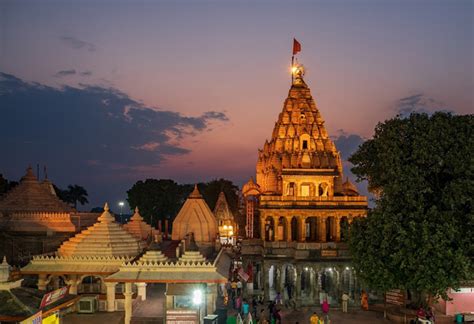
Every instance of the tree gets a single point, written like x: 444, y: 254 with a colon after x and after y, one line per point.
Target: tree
x: 420, y: 234
x: 6, y: 185
x: 72, y: 195
x: 162, y: 199
x: 211, y: 190
x: 158, y: 199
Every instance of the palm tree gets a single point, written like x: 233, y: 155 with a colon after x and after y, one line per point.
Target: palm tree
x: 77, y: 194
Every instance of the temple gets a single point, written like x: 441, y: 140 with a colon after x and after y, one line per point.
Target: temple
x: 33, y: 220
x: 299, y: 205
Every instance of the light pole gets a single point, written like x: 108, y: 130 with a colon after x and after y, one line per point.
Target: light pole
x: 121, y: 204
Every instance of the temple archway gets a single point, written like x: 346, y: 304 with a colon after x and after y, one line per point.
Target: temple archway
x: 269, y: 229
x: 311, y: 229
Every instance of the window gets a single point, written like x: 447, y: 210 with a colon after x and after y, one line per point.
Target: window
x: 291, y: 189
x: 305, y: 190
x: 305, y: 145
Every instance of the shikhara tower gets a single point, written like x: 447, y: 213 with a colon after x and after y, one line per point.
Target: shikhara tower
x: 299, y: 176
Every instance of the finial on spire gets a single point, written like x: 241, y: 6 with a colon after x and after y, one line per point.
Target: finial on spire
x: 136, y: 209
x: 106, y: 207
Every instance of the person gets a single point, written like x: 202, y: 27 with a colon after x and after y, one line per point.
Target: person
x: 271, y: 309
x: 238, y: 303
x: 430, y: 314
x: 254, y: 307
x: 364, y: 300
x: 325, y: 306
x: 262, y: 319
x: 245, y: 308
x: 314, y: 319
x: 239, y: 287
x: 234, y: 288
x: 277, y: 315
x: 345, y: 300
x: 278, y: 299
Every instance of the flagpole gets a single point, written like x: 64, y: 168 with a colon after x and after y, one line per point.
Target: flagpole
x: 292, y: 62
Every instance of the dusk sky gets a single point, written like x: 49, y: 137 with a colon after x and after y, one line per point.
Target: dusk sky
x: 106, y: 93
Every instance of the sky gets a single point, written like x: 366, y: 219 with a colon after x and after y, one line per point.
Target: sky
x: 106, y: 93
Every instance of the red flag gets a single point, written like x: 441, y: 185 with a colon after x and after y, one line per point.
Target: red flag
x: 296, y: 46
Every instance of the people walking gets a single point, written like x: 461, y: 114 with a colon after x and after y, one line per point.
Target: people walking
x: 314, y: 319
x: 278, y: 299
x: 364, y: 300
x: 345, y: 300
x: 325, y: 309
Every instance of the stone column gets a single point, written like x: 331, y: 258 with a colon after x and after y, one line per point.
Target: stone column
x: 302, y: 229
x: 42, y: 281
x: 338, y: 228
x: 141, y: 290
x: 275, y: 228
x: 110, y: 286
x: 288, y: 229
x: 262, y: 228
x: 266, y: 282
x: 128, y: 302
x: 299, y: 272
x: 211, y: 297
x: 322, y: 232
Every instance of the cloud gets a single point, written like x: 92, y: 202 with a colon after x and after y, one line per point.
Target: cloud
x: 419, y: 103
x: 64, y: 73
x: 347, y: 143
x: 86, y: 73
x: 77, y: 43
x: 89, y: 129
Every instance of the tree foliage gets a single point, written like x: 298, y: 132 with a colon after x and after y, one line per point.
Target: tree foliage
x: 6, y: 185
x: 420, y: 234
x: 162, y: 199
x: 72, y: 195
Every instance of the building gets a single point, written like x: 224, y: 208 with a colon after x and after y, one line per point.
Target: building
x: 298, y: 207
x: 225, y: 220
x: 33, y: 220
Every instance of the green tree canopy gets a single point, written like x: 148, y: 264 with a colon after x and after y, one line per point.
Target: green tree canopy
x: 72, y: 195
x: 162, y: 199
x: 420, y: 234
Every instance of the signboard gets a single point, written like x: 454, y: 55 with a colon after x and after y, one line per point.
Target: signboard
x: 35, y: 319
x: 243, y: 275
x: 182, y: 316
x: 395, y: 297
x: 54, y: 296
x: 329, y: 253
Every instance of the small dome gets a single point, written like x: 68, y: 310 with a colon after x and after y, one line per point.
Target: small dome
x: 251, y: 188
x: 138, y: 227
x: 349, y: 189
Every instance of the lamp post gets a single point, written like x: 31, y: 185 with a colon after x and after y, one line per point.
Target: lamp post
x: 121, y: 204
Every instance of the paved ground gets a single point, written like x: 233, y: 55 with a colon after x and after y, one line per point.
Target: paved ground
x: 288, y: 317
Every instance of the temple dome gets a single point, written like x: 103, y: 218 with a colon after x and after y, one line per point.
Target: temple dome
x: 349, y: 189
x: 195, y: 217
x: 138, y: 227
x: 30, y: 195
x: 104, y: 238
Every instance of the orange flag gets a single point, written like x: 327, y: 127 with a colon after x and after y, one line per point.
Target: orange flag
x: 296, y: 46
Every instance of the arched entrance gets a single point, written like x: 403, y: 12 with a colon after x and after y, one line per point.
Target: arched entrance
x: 330, y: 223
x: 311, y: 229
x: 288, y: 281
x: 344, y: 225
x: 269, y: 229
x: 281, y: 230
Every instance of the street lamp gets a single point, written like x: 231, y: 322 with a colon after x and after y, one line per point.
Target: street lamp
x: 121, y: 204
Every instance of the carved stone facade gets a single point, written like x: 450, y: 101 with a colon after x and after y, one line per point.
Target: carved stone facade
x: 302, y: 206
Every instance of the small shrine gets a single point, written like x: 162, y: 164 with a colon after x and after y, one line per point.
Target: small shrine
x: 225, y: 220
x: 139, y: 228
x: 86, y: 259
x: 195, y: 217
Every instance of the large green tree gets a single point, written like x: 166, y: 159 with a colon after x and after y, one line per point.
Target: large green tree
x: 162, y: 199
x: 419, y: 235
x: 158, y: 199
